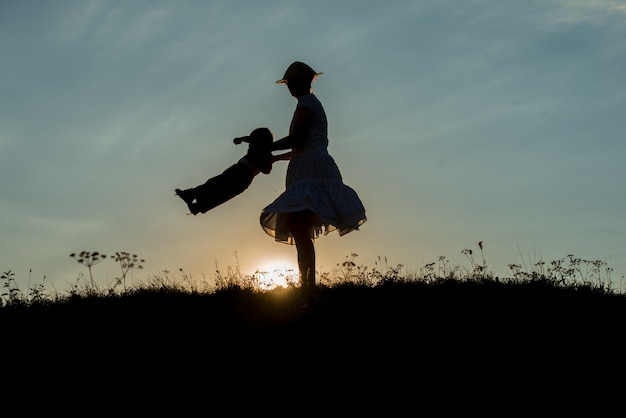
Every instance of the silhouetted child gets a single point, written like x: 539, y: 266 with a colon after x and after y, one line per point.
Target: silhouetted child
x: 235, y: 179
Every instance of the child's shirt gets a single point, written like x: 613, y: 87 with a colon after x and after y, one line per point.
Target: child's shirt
x: 258, y: 160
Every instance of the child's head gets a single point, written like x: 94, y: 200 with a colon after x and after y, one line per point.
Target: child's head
x: 261, y: 137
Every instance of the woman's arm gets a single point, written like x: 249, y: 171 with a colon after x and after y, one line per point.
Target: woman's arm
x: 279, y: 157
x: 300, y: 129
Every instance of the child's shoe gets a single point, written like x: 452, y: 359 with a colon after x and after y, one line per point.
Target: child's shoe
x: 188, y: 197
x: 201, y: 206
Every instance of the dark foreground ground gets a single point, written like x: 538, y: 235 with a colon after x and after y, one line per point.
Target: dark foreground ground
x: 392, y: 350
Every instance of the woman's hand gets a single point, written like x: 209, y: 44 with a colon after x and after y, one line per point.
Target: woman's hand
x: 241, y: 139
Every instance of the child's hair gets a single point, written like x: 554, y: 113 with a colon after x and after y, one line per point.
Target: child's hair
x: 261, y: 136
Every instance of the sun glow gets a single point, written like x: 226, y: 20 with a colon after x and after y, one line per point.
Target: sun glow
x: 276, y: 274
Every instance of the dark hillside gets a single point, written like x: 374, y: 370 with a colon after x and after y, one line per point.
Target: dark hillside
x: 374, y: 343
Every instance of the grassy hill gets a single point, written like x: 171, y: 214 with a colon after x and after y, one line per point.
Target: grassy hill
x: 356, y: 345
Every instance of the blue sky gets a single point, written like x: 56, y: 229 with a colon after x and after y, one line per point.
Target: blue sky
x: 455, y: 121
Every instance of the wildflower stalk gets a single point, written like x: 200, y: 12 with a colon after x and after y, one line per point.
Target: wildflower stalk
x: 89, y: 259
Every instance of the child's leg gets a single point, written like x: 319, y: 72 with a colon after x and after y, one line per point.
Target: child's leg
x: 223, y: 187
x: 212, y: 194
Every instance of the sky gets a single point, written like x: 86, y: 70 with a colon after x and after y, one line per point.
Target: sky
x: 456, y: 122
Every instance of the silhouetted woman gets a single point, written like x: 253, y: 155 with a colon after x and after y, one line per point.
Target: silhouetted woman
x: 315, y: 200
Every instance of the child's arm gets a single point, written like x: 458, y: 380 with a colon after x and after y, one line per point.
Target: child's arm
x: 279, y: 157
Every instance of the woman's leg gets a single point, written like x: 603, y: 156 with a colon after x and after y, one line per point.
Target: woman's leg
x: 299, y: 224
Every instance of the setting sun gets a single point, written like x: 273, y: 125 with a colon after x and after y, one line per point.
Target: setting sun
x: 276, y: 274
